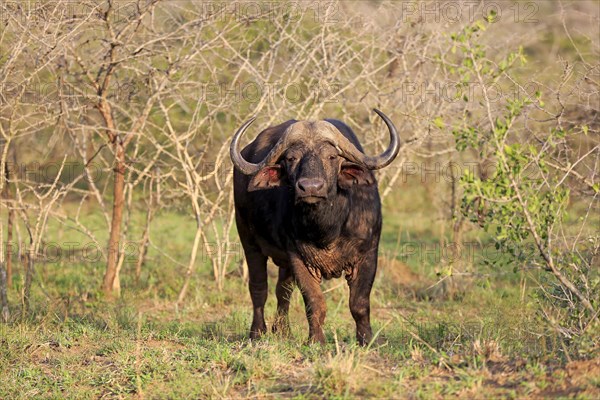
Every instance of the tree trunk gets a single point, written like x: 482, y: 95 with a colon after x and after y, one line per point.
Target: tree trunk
x: 111, y: 278
x: 143, y: 251
x: 9, y: 245
x: 30, y: 263
x: 3, y: 286
x: 11, y: 218
x: 3, y: 296
x: 192, y: 262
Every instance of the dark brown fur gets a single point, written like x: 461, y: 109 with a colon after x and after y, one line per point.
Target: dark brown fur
x: 310, y: 238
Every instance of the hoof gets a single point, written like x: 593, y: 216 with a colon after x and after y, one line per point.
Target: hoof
x: 281, y: 327
x: 317, y: 339
x: 256, y: 333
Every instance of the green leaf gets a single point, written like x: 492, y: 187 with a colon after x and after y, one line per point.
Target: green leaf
x: 439, y: 122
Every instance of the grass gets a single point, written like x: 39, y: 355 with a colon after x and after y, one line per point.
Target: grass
x: 483, y: 339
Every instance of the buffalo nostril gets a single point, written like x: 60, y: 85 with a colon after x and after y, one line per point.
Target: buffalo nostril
x: 310, y: 186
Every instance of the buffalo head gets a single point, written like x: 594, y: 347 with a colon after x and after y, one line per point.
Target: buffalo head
x: 315, y: 159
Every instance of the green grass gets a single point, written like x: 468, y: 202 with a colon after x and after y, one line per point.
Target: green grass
x: 480, y: 337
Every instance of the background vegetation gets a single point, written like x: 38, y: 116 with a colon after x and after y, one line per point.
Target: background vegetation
x: 121, y: 274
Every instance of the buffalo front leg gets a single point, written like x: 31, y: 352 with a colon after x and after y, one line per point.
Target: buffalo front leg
x: 283, y: 291
x: 314, y: 301
x: 360, y: 303
x: 257, y: 273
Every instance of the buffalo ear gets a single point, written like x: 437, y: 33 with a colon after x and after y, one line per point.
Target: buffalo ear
x: 354, y: 174
x: 266, y: 178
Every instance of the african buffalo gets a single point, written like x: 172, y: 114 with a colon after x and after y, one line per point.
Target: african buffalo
x: 305, y: 195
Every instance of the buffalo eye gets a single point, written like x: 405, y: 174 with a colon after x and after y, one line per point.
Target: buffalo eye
x: 291, y: 159
x: 333, y: 156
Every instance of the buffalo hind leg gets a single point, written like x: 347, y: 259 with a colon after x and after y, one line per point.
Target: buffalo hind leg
x: 257, y: 273
x: 360, y: 303
x: 314, y: 300
x: 283, y: 291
